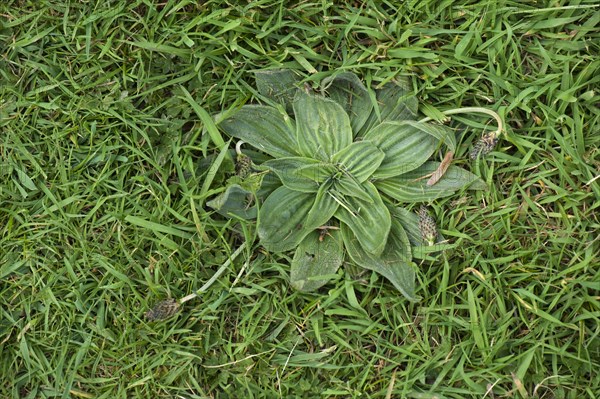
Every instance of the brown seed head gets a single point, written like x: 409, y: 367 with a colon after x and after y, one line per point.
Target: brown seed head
x: 484, y: 145
x: 163, y: 310
x: 243, y: 165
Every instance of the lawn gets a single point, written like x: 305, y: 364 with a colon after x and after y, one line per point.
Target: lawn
x: 109, y: 155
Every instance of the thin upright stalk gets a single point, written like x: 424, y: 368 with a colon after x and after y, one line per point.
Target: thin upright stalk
x: 215, y: 276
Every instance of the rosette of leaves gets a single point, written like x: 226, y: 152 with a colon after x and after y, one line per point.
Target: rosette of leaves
x: 345, y: 161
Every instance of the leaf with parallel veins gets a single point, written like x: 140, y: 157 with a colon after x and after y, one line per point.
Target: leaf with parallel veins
x: 360, y: 159
x: 394, y: 263
x: 265, y: 128
x: 281, y: 219
x: 316, y: 259
x: 300, y: 173
x: 394, y: 102
x: 370, y: 222
x: 323, y: 128
x: 405, y: 147
x: 412, y: 186
x: 348, y: 91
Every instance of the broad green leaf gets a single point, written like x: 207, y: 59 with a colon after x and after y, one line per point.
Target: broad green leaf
x: 360, y: 159
x: 316, y: 259
x: 299, y: 173
x: 405, y: 146
x: 348, y: 186
x: 441, y: 132
x: 410, y: 222
x: 412, y: 187
x: 234, y: 201
x: 347, y: 90
x: 279, y: 85
x: 281, y: 219
x: 270, y: 183
x: 323, y: 208
x: 394, y: 102
x: 265, y: 128
x: 370, y: 222
x: 394, y: 263
x: 323, y: 128
x: 320, y: 172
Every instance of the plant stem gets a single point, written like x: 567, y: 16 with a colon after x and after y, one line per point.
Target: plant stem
x: 238, y: 147
x: 468, y: 110
x: 215, y: 276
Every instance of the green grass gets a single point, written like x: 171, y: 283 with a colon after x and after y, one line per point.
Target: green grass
x: 106, y: 161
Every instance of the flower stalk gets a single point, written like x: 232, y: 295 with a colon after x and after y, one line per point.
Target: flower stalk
x: 488, y: 140
x: 471, y: 110
x: 168, y: 307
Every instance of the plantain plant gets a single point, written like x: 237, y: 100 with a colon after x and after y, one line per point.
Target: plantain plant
x: 342, y: 166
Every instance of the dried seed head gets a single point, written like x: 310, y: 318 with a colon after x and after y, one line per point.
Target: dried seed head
x: 484, y: 145
x: 163, y: 310
x: 427, y: 226
x: 243, y: 165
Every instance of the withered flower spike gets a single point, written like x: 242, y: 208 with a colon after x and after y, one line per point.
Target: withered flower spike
x: 243, y: 166
x: 163, y: 310
x: 484, y: 145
